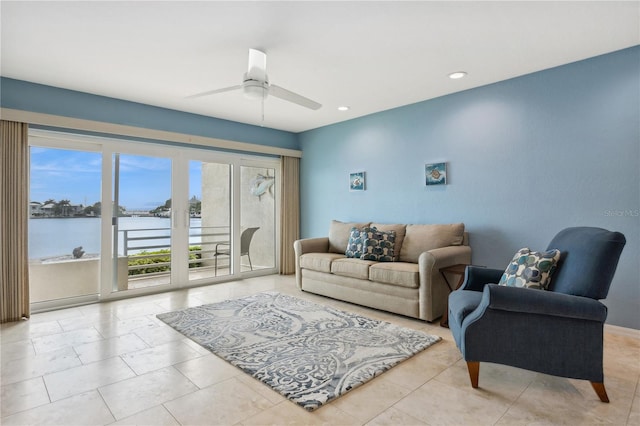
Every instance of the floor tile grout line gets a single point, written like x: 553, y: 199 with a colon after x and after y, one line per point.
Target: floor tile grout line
x: 633, y: 398
x: 115, y: 419
x: 513, y: 403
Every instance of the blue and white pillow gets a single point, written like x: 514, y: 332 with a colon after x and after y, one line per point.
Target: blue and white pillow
x: 354, y: 246
x: 531, y: 269
x: 378, y: 245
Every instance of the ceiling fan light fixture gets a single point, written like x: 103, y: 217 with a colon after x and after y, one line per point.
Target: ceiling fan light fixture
x: 457, y: 75
x: 254, y: 90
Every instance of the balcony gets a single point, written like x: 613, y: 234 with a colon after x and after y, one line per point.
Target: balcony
x: 144, y: 260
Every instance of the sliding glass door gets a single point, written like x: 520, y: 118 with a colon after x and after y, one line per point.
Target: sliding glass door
x: 141, y: 221
x: 210, y: 221
x: 257, y: 217
x: 64, y: 222
x: 145, y: 217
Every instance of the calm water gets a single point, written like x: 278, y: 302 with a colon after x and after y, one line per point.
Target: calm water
x: 58, y: 237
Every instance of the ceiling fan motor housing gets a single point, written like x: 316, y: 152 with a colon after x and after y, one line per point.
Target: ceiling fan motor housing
x: 255, y: 89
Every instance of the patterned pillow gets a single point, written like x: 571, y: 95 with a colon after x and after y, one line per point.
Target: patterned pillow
x: 378, y: 245
x: 531, y: 269
x: 354, y: 246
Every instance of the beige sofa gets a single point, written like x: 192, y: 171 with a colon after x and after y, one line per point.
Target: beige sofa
x: 411, y: 285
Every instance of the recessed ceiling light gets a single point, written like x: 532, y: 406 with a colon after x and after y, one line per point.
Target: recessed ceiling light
x: 344, y: 108
x: 458, y: 74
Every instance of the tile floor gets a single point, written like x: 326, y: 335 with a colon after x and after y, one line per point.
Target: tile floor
x: 115, y: 363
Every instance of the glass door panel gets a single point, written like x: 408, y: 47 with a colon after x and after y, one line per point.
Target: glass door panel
x: 64, y: 223
x: 141, y: 222
x: 209, y: 209
x: 257, y: 218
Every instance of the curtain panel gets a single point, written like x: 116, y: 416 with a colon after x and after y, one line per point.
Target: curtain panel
x: 289, y: 213
x: 14, y: 202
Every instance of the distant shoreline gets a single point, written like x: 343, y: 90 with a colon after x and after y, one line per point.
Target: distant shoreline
x: 64, y: 217
x: 92, y: 217
x: 64, y: 258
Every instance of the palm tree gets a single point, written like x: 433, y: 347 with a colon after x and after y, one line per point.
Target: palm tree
x: 64, y: 207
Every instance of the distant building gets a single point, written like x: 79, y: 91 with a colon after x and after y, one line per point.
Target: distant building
x: 35, y: 209
x: 164, y: 213
x: 48, y: 209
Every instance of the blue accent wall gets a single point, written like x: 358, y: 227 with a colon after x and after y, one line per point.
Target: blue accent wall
x: 526, y: 158
x: 26, y: 96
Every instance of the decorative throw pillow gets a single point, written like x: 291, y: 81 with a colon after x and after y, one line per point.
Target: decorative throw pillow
x: 354, y: 246
x: 378, y: 245
x: 531, y: 269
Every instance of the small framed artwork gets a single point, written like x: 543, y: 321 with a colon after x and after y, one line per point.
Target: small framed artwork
x: 435, y: 174
x: 356, y: 181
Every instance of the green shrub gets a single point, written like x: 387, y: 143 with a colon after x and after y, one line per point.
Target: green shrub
x: 134, y: 260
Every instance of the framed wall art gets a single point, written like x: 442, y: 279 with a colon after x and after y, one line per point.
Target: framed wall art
x: 356, y: 181
x: 435, y: 174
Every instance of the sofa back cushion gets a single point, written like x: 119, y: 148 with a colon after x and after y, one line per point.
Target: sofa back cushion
x: 339, y: 233
x: 421, y: 238
x: 399, y: 229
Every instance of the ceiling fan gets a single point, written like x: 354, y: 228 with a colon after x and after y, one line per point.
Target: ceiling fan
x: 255, y: 84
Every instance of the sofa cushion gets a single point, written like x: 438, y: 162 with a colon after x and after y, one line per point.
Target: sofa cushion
x: 339, y: 233
x: 531, y: 269
x: 396, y: 273
x: 354, y: 245
x: 378, y: 245
x: 349, y: 267
x: 399, y: 229
x: 421, y: 238
x: 320, y: 262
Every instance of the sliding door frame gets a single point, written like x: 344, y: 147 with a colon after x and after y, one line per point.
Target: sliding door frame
x: 180, y: 157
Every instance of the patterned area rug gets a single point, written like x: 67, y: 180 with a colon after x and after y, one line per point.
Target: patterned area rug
x: 309, y: 353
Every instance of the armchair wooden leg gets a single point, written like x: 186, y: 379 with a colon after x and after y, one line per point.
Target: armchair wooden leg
x: 600, y: 390
x: 474, y: 371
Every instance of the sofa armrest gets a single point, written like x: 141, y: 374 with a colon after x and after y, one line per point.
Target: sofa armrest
x: 542, y: 302
x: 308, y: 245
x: 449, y: 256
x: 476, y: 277
x: 311, y: 245
x: 433, y: 290
x: 431, y: 261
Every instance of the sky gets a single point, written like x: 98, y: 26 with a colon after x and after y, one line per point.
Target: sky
x: 145, y: 182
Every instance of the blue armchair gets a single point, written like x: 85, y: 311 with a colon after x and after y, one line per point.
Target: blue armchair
x: 558, y: 331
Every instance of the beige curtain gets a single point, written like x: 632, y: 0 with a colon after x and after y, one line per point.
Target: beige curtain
x: 289, y: 213
x: 14, y: 202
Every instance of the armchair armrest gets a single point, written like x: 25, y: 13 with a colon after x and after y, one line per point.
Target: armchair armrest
x: 542, y: 302
x: 476, y: 277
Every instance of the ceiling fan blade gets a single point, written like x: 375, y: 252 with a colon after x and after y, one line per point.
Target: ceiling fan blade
x: 257, y: 65
x: 287, y: 95
x: 213, y: 92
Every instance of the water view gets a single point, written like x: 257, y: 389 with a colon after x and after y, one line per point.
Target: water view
x: 66, y: 229
x: 55, y: 237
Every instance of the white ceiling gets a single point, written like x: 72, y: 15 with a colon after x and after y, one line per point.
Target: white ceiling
x: 372, y: 56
